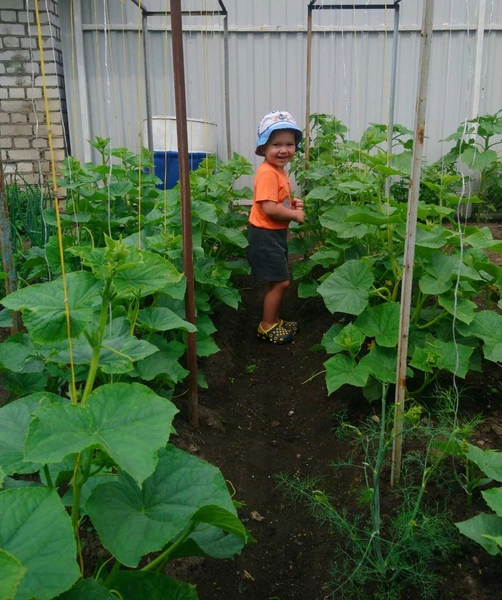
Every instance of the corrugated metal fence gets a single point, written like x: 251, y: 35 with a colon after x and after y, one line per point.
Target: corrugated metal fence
x: 267, y: 51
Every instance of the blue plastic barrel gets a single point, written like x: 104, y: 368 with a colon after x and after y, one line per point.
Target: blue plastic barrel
x: 166, y: 166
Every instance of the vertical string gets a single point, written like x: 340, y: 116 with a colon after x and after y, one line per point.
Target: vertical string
x: 109, y: 117
x: 99, y: 83
x: 39, y: 164
x: 73, y: 389
x: 125, y: 49
x: 140, y: 144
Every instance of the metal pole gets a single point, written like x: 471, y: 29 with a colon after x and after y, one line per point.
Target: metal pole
x: 6, y: 248
x: 478, y: 67
x: 227, y: 86
x: 186, y: 210
x: 392, y: 100
x: 146, y: 62
x: 83, y: 152
x: 309, y: 80
x: 411, y: 229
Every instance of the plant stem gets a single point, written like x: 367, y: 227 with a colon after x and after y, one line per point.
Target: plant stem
x: 163, y: 557
x: 425, y: 325
x: 48, y: 476
x: 112, y: 576
x: 93, y: 368
x: 375, y: 504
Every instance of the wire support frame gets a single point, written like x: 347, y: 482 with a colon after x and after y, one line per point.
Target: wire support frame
x: 392, y: 6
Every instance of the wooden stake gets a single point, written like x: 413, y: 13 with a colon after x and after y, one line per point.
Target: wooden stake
x: 411, y: 231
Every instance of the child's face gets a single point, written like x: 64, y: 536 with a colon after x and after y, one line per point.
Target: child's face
x: 280, y: 148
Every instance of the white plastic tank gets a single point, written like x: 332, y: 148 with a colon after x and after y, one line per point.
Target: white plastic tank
x: 202, y: 140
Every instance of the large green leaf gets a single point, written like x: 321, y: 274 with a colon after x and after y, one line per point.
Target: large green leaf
x: 350, y: 338
x: 152, y: 274
x: 328, y: 339
x: 19, y: 357
x: 381, y: 363
x: 159, y: 318
x: 128, y: 421
x: 209, y: 542
x: 205, y: 211
x: 480, y: 529
x: 430, y: 238
x: 461, y: 308
x: 227, y: 295
x: 117, y: 354
x: 446, y: 356
x: 162, y: 362
x: 87, y: 589
x: 43, y: 306
x: 234, y: 237
x: 136, y: 585
x: 440, y: 271
x: 11, y: 573
x: 372, y: 217
x: 15, y: 418
x: 36, y: 530
x: 153, y: 515
x: 346, y: 289
x: 489, y: 461
x: 493, y: 498
x: 382, y: 323
x: 478, y: 161
x: 341, y: 369
x: 486, y: 326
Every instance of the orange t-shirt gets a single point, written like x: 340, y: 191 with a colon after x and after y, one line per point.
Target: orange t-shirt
x: 272, y: 184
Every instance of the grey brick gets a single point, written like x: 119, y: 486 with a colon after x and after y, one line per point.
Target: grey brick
x: 7, y: 82
x: 17, y: 93
x: 18, y: 118
x: 15, y: 130
x: 8, y: 16
x: 12, y: 106
x: 11, y: 42
x: 12, y: 29
x: 21, y: 143
x: 15, y: 55
x: 27, y: 42
x: 23, y: 155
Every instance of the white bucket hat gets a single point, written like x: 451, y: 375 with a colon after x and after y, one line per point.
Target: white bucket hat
x: 277, y: 119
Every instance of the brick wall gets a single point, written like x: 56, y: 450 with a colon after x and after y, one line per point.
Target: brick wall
x: 23, y: 125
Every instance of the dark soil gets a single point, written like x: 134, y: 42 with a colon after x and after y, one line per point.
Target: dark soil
x: 266, y: 413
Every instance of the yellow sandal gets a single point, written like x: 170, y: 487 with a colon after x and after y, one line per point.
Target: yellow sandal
x: 277, y: 334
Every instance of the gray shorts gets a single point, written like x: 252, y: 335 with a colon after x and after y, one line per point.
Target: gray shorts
x: 268, y: 254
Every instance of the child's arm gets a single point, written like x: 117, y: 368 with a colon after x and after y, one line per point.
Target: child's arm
x: 279, y: 212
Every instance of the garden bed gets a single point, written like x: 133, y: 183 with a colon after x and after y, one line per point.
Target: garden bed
x: 261, y: 418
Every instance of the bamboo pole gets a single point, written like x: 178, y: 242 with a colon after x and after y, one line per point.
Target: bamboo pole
x: 186, y: 209
x: 411, y: 230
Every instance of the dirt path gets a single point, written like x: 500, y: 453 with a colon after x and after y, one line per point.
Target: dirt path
x: 273, y: 423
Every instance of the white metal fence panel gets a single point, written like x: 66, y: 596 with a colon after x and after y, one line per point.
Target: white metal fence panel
x: 267, y: 53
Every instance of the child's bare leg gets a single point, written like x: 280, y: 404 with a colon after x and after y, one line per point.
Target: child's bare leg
x: 274, y: 291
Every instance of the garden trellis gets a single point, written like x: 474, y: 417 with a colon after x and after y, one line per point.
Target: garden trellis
x: 177, y: 13
x: 414, y: 188
x: 105, y: 28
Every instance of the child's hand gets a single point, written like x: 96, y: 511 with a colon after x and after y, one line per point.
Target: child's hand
x: 299, y: 216
x: 296, y: 204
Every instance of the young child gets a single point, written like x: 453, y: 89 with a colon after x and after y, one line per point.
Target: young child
x: 273, y: 209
